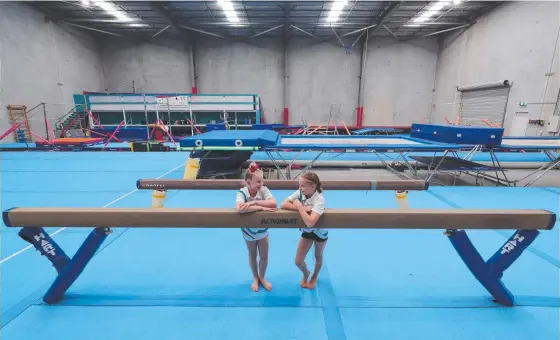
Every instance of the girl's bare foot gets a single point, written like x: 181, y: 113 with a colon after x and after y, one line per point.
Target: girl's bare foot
x: 312, y: 283
x: 255, y: 285
x: 267, y: 285
x: 303, y: 282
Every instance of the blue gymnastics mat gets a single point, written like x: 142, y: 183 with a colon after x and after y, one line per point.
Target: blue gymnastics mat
x: 231, y: 138
x: 194, y: 283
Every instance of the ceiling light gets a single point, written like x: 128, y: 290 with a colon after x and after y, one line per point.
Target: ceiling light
x: 437, y: 7
x: 229, y: 11
x: 227, y: 6
x: 105, y: 6
x: 113, y: 10
x: 85, y: 3
x: 432, y: 10
x: 336, y: 10
x: 137, y: 25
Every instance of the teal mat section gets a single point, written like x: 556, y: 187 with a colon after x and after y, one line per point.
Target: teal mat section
x: 194, y: 283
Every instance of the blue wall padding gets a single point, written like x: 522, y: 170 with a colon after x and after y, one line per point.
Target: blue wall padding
x: 465, y: 135
x: 259, y: 138
x: 267, y: 126
x: 212, y: 127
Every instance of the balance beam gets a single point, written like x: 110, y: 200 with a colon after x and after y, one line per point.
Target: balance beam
x: 230, y: 218
x: 488, y: 273
x: 217, y: 184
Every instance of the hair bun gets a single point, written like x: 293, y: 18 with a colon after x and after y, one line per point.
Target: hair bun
x: 254, y: 167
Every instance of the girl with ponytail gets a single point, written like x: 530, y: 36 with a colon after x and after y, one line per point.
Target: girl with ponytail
x: 310, y: 204
x: 254, y: 196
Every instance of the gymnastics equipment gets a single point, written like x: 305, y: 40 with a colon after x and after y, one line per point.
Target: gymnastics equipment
x: 402, y: 200
x: 465, y: 135
x: 13, y: 128
x: 216, y: 184
x: 19, y: 117
x: 112, y: 135
x: 158, y: 198
x: 445, y: 141
x: 230, y: 218
x: 159, y: 124
x: 191, y: 169
x: 454, y: 221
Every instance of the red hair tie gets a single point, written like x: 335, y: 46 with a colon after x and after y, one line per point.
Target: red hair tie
x: 254, y: 167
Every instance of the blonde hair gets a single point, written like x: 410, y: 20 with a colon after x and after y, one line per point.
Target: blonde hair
x: 313, y: 178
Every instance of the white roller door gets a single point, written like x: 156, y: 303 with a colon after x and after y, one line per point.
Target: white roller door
x: 484, y: 102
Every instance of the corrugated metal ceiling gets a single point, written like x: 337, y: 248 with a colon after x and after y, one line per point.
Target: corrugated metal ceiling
x: 291, y: 17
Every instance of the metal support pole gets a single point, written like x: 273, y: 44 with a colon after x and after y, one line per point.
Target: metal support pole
x: 266, y: 31
x: 46, y: 121
x: 192, y: 62
x: 161, y: 31
x: 304, y: 31
x: 359, y: 30
x: 361, y: 79
x: 203, y: 32
x: 286, y: 117
x: 446, y: 30
x: 92, y: 29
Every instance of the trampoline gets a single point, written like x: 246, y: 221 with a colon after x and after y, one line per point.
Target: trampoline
x: 349, y: 141
x: 392, y: 151
x: 381, y: 146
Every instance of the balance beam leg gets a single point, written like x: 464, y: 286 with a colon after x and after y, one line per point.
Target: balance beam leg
x: 75, y: 267
x: 480, y: 269
x: 511, y: 250
x: 41, y: 240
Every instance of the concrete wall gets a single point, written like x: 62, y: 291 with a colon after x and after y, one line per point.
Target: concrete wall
x: 322, y: 78
x: 517, y: 42
x: 161, y: 65
x: 254, y: 67
x: 43, y: 62
x: 399, y: 80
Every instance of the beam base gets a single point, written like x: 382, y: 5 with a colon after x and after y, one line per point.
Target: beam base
x: 75, y: 266
x: 42, y: 241
x: 490, y: 273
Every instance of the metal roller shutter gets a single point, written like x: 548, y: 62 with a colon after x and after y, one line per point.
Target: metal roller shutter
x: 486, y: 102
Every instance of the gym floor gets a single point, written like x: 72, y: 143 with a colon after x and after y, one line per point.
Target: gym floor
x: 195, y: 283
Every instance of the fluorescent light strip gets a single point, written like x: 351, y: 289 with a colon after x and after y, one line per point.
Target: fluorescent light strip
x: 113, y: 10
x: 432, y: 10
x: 336, y: 10
x: 229, y: 11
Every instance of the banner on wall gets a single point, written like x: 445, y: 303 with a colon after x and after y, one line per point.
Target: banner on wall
x: 173, y: 101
